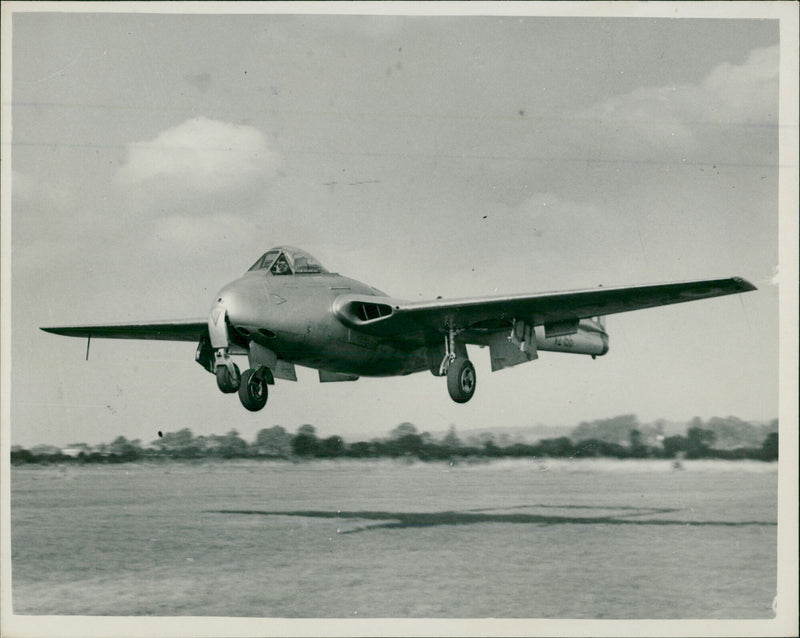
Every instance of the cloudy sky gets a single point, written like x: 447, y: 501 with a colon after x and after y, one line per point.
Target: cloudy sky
x: 156, y: 156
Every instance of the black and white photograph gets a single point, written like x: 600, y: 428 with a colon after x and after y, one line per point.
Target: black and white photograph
x: 399, y: 318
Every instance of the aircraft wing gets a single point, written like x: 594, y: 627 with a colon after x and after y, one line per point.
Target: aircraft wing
x: 383, y: 316
x: 178, y: 330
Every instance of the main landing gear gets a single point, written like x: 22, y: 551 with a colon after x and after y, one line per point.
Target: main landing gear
x: 460, y: 372
x: 461, y: 380
x: 254, y: 389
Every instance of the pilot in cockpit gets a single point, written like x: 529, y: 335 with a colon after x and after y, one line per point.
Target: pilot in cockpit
x: 281, y: 266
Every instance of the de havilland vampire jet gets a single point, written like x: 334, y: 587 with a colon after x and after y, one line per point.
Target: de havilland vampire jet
x: 287, y: 310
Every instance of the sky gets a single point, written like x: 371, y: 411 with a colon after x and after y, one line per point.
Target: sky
x: 155, y: 157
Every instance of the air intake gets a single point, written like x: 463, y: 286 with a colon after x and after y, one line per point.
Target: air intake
x: 366, y: 311
x: 360, y: 310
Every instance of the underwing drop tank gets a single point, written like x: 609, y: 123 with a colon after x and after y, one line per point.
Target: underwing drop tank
x: 585, y: 337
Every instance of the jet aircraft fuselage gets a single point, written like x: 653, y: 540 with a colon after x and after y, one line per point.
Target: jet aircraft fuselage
x: 288, y: 310
x: 293, y: 316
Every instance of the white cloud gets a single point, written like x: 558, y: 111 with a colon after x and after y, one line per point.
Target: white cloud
x: 747, y: 92
x: 185, y: 234
x: 674, y: 115
x: 203, y: 155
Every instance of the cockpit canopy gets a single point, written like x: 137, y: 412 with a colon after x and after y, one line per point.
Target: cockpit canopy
x: 286, y: 260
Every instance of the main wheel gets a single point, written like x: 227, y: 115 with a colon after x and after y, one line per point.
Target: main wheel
x: 253, y: 391
x: 228, y: 382
x: 461, y: 380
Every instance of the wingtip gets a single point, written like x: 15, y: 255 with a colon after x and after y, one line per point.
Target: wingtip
x: 743, y: 285
x: 62, y: 331
x: 51, y: 330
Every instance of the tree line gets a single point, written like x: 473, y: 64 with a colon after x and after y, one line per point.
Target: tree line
x: 620, y: 437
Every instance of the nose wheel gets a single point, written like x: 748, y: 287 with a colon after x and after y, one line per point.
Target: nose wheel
x: 228, y: 378
x: 254, y: 389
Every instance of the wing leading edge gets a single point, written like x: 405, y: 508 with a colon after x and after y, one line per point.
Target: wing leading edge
x: 384, y: 316
x: 178, y: 330
x: 393, y: 317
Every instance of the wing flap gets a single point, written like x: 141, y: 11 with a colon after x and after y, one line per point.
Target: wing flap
x: 550, y: 308
x: 172, y: 330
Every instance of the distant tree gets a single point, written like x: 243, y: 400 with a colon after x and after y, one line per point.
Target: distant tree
x: 180, y: 444
x: 304, y: 444
x: 232, y: 445
x: 409, y: 444
x: 451, y: 439
x: 307, y: 429
x: 613, y: 430
x: 517, y: 450
x: 402, y: 430
x: 21, y: 455
x: 673, y: 445
x: 700, y: 437
x: 588, y: 448
x: 769, y: 449
x: 637, y: 447
x: 360, y: 449
x: 731, y: 432
x: 125, y: 450
x: 490, y: 448
x: 331, y: 447
x: 561, y: 446
x: 204, y: 446
x: 699, y: 441
x: 45, y: 450
x: 85, y: 447
x: 274, y: 441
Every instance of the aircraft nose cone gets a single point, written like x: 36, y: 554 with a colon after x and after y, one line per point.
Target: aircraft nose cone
x: 244, y: 303
x: 234, y: 301
x: 224, y: 312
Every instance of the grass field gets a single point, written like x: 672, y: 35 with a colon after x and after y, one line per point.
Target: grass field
x: 507, y: 539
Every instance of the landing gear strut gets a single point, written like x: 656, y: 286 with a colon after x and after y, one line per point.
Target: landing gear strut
x: 458, y: 368
x: 254, y: 389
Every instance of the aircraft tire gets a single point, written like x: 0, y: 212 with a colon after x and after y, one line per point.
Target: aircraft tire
x: 253, y: 390
x: 227, y: 382
x: 461, y: 380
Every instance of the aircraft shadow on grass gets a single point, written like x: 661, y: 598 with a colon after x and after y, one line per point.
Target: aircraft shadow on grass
x: 624, y: 515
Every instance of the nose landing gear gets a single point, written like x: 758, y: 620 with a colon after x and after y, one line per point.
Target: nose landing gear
x: 226, y: 371
x: 214, y: 354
